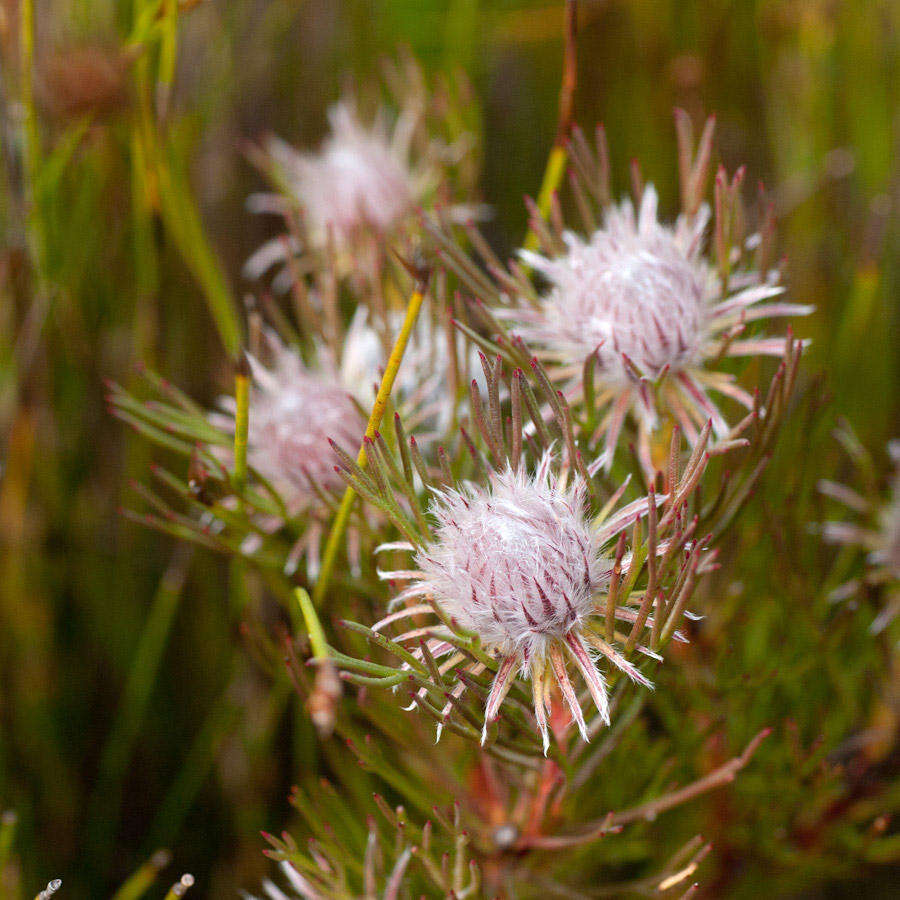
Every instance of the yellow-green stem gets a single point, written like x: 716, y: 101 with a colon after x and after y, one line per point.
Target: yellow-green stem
x: 381, y: 401
x: 241, y: 425
x: 556, y: 167
x: 313, y: 625
x: 143, y: 878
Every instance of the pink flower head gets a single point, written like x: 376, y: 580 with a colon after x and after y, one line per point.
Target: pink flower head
x: 634, y: 290
x: 359, y: 193
x: 521, y: 565
x: 294, y: 411
x: 518, y: 564
x: 643, y: 297
x: 360, y: 178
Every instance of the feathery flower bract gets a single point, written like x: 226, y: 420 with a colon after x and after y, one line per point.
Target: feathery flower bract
x: 523, y: 559
x: 523, y: 565
x: 641, y: 297
x: 638, y: 306
x: 874, y: 529
x: 520, y: 566
x: 360, y: 178
x: 362, y: 190
x: 294, y: 411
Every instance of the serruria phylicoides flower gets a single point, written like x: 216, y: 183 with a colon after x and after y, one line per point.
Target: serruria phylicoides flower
x: 425, y: 388
x: 297, y: 408
x: 519, y: 565
x: 645, y: 310
x: 873, y: 527
x: 313, y: 382
x: 294, y: 409
x: 360, y: 180
x: 362, y: 190
x: 558, y: 588
x: 640, y: 297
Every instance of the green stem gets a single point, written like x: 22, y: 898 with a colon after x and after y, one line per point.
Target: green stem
x: 313, y: 625
x: 381, y: 401
x: 241, y: 424
x: 556, y: 166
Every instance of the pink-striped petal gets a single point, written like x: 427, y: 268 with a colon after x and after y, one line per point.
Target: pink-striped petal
x: 565, y: 686
x: 593, y: 678
x: 500, y: 687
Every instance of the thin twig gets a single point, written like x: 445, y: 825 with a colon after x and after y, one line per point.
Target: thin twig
x: 725, y: 774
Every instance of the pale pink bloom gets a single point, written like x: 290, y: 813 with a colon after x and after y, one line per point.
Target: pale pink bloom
x: 421, y: 391
x: 521, y: 565
x: 359, y: 185
x: 360, y: 178
x: 517, y: 564
x: 644, y: 298
x: 294, y: 410
x: 360, y: 188
x: 875, y: 528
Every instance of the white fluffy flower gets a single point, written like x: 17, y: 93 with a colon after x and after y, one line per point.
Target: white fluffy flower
x: 360, y: 191
x: 635, y: 290
x: 644, y: 298
x: 360, y: 186
x: 294, y: 410
x: 360, y: 178
x: 518, y: 565
x: 521, y: 565
x: 422, y: 387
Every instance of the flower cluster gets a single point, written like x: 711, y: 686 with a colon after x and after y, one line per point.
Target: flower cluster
x: 522, y: 545
x: 639, y: 306
x: 530, y: 583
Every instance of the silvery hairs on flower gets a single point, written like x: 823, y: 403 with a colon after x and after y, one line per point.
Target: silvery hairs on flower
x: 364, y: 187
x: 642, y: 307
x: 523, y: 558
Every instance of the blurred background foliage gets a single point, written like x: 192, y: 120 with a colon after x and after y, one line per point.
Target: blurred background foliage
x: 131, y: 714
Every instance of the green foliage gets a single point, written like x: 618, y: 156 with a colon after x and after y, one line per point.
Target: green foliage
x: 145, y: 702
